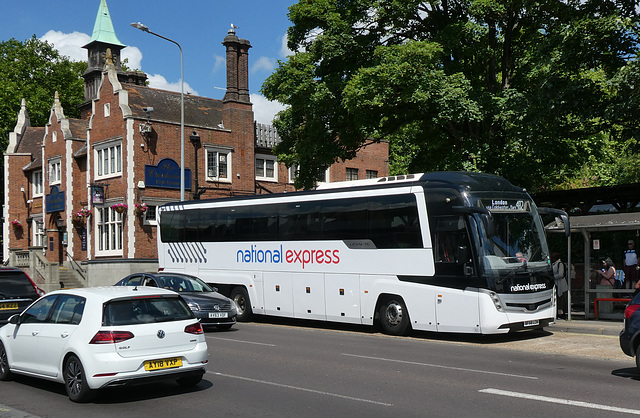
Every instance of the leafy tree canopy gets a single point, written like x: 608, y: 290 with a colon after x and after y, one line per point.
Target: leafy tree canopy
x: 541, y: 92
x: 33, y: 70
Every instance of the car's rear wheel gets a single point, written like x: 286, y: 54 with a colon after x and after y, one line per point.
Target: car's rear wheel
x: 638, y: 357
x: 240, y: 296
x: 5, y: 373
x: 189, y: 381
x: 75, y: 381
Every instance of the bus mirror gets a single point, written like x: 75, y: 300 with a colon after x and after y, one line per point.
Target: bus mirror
x: 559, y: 214
x: 487, y: 219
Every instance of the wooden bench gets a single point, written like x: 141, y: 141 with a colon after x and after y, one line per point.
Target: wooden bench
x: 596, y: 300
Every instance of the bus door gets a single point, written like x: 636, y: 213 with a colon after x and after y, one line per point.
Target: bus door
x: 456, y: 298
x: 278, y: 294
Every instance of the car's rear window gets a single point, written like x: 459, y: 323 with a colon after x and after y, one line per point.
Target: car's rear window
x: 16, y: 284
x: 145, y: 311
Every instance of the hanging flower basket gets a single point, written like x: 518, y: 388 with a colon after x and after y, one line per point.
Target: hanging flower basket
x: 16, y: 224
x: 81, y: 215
x: 141, y: 208
x: 120, y: 207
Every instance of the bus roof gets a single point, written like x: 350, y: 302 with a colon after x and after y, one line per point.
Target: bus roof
x: 458, y: 180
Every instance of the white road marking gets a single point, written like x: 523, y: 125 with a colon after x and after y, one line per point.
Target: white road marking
x: 441, y: 366
x: 319, y: 392
x: 560, y: 401
x: 240, y: 341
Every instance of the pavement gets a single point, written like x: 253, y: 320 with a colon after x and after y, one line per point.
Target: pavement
x: 587, y: 326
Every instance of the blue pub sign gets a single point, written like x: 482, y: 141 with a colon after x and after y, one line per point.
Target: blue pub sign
x: 166, y: 175
x: 54, y: 201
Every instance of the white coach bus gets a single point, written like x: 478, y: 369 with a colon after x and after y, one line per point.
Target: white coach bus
x: 444, y: 251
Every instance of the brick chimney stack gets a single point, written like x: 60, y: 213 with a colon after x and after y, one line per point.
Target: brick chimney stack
x: 237, y: 68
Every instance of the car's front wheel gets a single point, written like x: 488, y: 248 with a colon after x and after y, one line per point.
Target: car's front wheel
x: 5, y: 372
x: 75, y: 381
x: 638, y: 357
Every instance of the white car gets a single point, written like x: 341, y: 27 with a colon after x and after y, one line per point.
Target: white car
x: 92, y: 338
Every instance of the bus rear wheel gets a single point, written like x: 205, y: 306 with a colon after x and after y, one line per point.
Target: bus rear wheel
x: 240, y: 296
x: 394, y: 316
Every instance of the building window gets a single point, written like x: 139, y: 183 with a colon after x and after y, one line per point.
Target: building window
x: 293, y: 173
x: 38, y: 232
x: 54, y: 136
x: 218, y: 163
x: 266, y: 167
x: 372, y: 174
x: 55, y: 171
x: 352, y: 174
x: 324, y: 177
x: 108, y: 160
x: 107, y: 110
x: 37, y: 186
x: 109, y: 231
x: 150, y: 215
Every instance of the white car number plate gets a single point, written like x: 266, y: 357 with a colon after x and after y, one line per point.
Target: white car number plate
x: 532, y: 323
x: 217, y: 314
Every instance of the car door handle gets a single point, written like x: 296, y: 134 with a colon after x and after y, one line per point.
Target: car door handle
x: 64, y: 334
x: 34, y: 333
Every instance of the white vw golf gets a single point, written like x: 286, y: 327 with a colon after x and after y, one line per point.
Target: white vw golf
x: 92, y: 338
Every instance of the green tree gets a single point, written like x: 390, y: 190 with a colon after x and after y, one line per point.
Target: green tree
x: 531, y: 90
x: 34, y: 70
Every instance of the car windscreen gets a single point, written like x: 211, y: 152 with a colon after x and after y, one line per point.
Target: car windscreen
x: 145, y: 310
x: 16, y: 284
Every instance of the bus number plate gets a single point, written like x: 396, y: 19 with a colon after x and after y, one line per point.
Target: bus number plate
x: 10, y: 305
x: 531, y: 323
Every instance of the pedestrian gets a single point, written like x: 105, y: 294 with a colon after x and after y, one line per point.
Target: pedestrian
x: 630, y: 265
x: 560, y: 278
x: 608, y: 273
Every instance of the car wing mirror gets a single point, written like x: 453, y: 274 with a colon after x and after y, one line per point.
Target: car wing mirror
x: 14, y: 319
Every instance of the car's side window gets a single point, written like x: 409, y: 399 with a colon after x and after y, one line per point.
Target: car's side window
x: 68, y: 310
x: 134, y: 281
x: 39, y: 312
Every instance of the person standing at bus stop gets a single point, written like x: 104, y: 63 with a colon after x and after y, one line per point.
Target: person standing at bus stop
x: 630, y: 265
x: 608, y: 273
x: 560, y: 277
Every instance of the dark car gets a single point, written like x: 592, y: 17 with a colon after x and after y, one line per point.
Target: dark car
x: 209, y: 306
x: 17, y: 291
x: 630, y: 335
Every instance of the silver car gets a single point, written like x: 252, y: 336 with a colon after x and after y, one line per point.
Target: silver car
x: 92, y: 338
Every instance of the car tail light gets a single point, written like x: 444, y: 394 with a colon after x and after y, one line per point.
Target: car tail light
x: 630, y: 310
x: 194, y: 329
x: 111, y: 337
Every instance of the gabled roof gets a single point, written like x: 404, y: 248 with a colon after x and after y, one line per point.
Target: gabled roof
x: 198, y: 111
x: 103, y: 28
x: 78, y: 128
x: 31, y: 143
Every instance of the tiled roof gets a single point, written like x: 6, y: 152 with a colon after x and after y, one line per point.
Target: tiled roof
x: 198, y: 111
x: 31, y: 143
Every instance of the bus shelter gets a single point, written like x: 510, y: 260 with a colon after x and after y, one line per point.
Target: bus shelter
x: 584, y: 226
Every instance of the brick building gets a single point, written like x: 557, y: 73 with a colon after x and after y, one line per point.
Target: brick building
x: 81, y: 194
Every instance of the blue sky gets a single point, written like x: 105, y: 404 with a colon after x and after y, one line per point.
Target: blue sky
x: 199, y: 26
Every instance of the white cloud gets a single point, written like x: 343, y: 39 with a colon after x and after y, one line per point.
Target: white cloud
x: 219, y: 62
x: 157, y: 81
x: 134, y: 55
x: 284, y: 49
x: 263, y: 64
x: 71, y: 45
x: 68, y: 44
x: 264, y: 110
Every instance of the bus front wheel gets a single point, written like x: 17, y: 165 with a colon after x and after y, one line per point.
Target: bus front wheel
x: 394, y: 317
x: 240, y: 296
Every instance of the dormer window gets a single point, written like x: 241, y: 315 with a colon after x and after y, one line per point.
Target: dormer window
x: 55, y: 170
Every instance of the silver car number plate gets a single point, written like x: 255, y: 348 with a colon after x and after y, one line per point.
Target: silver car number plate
x: 532, y: 323
x: 218, y: 314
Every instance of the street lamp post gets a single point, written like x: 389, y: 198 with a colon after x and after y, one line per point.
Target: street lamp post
x: 145, y: 28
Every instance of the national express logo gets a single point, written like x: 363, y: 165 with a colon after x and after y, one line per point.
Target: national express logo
x: 280, y: 255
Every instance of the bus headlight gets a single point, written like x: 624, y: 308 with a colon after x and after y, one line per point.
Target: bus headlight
x: 496, y: 301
